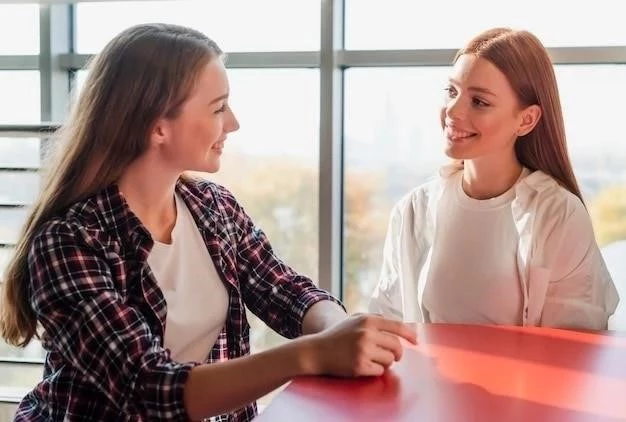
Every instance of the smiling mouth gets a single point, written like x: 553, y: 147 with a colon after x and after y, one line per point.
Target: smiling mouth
x: 457, y: 135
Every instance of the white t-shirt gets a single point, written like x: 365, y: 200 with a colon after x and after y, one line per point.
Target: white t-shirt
x: 563, y: 278
x: 472, y: 273
x: 197, y: 300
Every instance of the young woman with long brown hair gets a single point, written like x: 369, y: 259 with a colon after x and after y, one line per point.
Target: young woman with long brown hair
x: 501, y: 236
x: 136, y: 277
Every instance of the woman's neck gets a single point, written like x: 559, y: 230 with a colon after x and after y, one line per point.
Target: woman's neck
x: 483, y: 179
x: 149, y: 192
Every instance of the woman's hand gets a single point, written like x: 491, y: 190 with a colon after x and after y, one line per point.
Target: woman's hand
x: 361, y: 345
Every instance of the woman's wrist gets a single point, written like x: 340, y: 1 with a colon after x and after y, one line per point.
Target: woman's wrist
x: 306, y: 355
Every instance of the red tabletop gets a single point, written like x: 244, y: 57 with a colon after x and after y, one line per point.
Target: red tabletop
x: 476, y: 373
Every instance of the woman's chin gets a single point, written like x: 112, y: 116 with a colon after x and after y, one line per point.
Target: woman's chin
x: 454, y: 153
x: 458, y: 151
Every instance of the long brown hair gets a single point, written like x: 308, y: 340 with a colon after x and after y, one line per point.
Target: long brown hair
x: 527, y: 66
x: 144, y: 73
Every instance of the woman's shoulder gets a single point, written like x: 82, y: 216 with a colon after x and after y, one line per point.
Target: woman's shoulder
x: 549, y: 195
x: 96, y: 219
x: 58, y: 227
x: 413, y: 208
x: 69, y: 231
x: 555, y: 208
x: 206, y: 189
x: 422, y: 195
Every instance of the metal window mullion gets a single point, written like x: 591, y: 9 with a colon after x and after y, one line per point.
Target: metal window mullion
x: 55, y: 38
x: 366, y: 58
x: 19, y: 62
x: 444, y: 57
x: 331, y: 149
x: 242, y: 60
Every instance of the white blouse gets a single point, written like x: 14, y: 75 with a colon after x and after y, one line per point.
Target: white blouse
x: 563, y: 278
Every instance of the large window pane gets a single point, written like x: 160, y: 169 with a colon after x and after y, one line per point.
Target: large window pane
x: 593, y: 111
x: 18, y: 187
x: 393, y: 143
x: 20, y: 97
x: 5, y: 255
x: 236, y: 25
x: 271, y: 165
x: 11, y: 221
x: 17, y: 378
x: 410, y: 24
x: 19, y: 29
x: 16, y: 153
x: 20, y: 375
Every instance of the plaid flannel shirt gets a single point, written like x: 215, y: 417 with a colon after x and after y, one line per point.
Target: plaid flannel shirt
x: 103, y: 314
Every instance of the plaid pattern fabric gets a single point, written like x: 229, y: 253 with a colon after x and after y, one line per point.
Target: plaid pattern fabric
x: 103, y: 314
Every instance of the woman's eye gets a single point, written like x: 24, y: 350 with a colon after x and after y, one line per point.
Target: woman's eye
x: 450, y: 92
x: 480, y: 103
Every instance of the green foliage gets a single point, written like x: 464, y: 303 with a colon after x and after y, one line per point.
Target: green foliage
x: 281, y: 196
x: 608, y: 212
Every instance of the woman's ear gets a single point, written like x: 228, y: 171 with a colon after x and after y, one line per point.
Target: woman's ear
x: 159, y: 134
x: 530, y: 117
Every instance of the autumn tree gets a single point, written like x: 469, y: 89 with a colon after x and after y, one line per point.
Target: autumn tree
x: 281, y: 196
x: 608, y: 212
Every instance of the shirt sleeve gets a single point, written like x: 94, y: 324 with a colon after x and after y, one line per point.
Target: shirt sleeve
x: 271, y: 289
x: 104, y: 338
x: 387, y: 298
x: 404, y: 254
x: 580, y: 292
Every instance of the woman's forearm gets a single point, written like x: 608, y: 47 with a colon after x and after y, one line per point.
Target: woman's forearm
x: 218, y: 388
x: 322, y: 315
x: 362, y: 345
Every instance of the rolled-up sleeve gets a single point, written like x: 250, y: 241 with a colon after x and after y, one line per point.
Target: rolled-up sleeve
x: 272, y: 290
x: 106, y: 340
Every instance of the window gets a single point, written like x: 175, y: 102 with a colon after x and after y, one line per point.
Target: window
x: 20, y: 99
x: 409, y: 24
x: 19, y: 153
x: 5, y: 254
x: 393, y: 143
x: 17, y: 157
x: 20, y: 103
x: 19, y: 160
x: 28, y: 183
x: 236, y: 25
x: 19, y: 183
x: 271, y: 165
x: 19, y: 29
x: 11, y: 220
x: 593, y: 115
